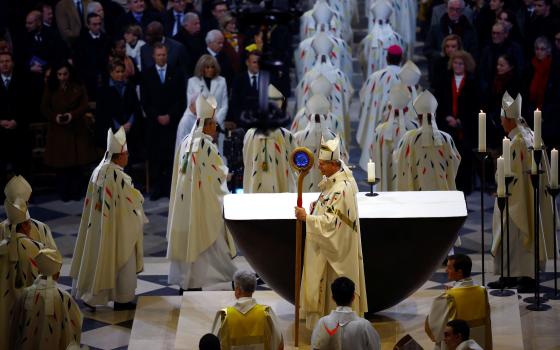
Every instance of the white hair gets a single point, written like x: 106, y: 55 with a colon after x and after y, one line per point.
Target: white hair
x: 213, y: 35
x: 245, y: 280
x: 189, y: 16
x: 461, y: 2
x: 93, y: 6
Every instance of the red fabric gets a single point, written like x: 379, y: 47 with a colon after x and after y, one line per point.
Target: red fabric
x: 456, y: 93
x: 541, y: 70
x: 395, y: 50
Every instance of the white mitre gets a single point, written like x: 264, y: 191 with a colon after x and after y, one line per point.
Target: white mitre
x: 330, y: 150
x: 321, y: 86
x: 274, y: 95
x: 48, y: 262
x: 18, y: 187
x: 399, y: 96
x: 322, y: 13
x: 511, y: 107
x: 205, y: 109
x: 318, y: 104
x: 322, y: 44
x: 116, y: 143
x: 426, y: 105
x: 410, y: 74
x: 381, y: 10
x: 16, y: 211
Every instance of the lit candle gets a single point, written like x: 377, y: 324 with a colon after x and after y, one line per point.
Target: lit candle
x: 371, y: 171
x: 482, y: 131
x: 501, y: 178
x: 537, y: 140
x: 554, y: 168
x: 533, y: 164
x: 506, y: 153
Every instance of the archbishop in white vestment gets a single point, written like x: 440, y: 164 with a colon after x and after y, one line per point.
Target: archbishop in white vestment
x: 47, y: 317
x: 388, y: 136
x: 333, y: 245
x: 521, y: 202
x: 19, y: 189
x: 109, y: 249
x: 196, y: 232
x: 17, y: 266
x: 266, y: 150
x: 427, y: 159
x: 323, y: 14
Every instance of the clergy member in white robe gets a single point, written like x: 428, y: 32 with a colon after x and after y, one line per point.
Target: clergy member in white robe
x: 323, y: 87
x: 267, y: 148
x: 19, y: 189
x: 343, y: 328
x: 109, y: 249
x: 199, y: 247
x: 427, y: 159
x: 388, y: 135
x: 340, y: 93
x: 17, y: 267
x: 374, y: 97
x: 322, y: 13
x: 382, y: 36
x: 465, y: 300
x: 311, y: 49
x: 247, y: 325
x: 333, y: 245
x: 410, y: 76
x: 47, y: 317
x: 521, y: 203
x: 316, y: 131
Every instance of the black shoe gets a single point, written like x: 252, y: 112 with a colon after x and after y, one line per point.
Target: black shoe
x: 526, y: 285
x: 181, y: 291
x: 90, y: 307
x: 124, y: 306
x: 194, y: 290
x: 510, y: 282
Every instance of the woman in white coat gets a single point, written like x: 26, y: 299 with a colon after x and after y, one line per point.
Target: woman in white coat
x: 206, y: 82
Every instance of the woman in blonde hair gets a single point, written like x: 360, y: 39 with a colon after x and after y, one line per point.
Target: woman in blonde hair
x: 206, y: 81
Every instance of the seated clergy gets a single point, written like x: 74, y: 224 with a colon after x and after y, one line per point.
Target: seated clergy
x: 465, y: 301
x: 247, y: 325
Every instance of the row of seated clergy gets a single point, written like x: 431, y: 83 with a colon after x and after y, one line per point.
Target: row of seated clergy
x: 255, y: 326
x: 464, y: 300
x: 39, y: 315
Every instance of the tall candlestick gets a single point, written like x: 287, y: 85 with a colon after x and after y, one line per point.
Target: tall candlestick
x: 501, y: 178
x: 482, y: 131
x: 537, y: 140
x: 506, y: 153
x: 554, y: 168
x: 371, y: 171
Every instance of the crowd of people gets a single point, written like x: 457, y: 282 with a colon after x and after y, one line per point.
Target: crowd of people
x: 84, y: 66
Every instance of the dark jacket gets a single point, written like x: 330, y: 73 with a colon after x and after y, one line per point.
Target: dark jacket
x: 437, y: 32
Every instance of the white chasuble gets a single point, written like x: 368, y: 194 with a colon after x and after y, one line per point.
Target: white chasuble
x: 109, y: 247
x: 266, y: 159
x: 332, y: 248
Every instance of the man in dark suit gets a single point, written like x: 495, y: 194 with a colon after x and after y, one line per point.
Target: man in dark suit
x: 190, y: 36
x: 218, y: 8
x: 164, y: 101
x: 244, y: 91
x: 173, y: 18
x: 176, y: 53
x: 214, y: 46
x: 92, y: 51
x: 14, y: 152
x: 137, y: 14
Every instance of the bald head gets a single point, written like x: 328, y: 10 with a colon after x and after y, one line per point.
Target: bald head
x: 154, y: 32
x: 33, y: 21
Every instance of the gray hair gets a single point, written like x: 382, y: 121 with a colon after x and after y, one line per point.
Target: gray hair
x: 213, y: 35
x: 189, y: 16
x: 245, y: 280
x: 93, y: 6
x: 461, y: 2
x: 542, y: 40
